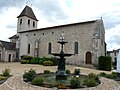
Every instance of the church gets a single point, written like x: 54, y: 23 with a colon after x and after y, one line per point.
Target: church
x: 86, y: 40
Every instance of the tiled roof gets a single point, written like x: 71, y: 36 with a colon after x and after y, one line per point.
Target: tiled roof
x: 27, y: 11
x: 65, y: 25
x: 14, y: 37
x: 8, y: 45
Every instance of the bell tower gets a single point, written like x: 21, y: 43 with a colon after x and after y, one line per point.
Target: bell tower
x: 26, y: 20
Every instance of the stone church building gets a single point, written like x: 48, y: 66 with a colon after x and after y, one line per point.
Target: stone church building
x: 86, y: 40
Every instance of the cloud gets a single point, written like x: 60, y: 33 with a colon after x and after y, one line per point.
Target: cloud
x: 8, y: 22
x: 9, y: 3
x: 11, y: 26
x: 113, y: 37
x: 111, y: 18
x: 51, y: 10
x: 55, y: 12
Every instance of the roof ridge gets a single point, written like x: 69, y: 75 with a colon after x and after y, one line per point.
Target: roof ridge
x: 27, y: 11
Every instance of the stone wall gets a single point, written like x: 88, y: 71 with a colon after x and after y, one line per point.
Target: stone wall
x: 81, y: 33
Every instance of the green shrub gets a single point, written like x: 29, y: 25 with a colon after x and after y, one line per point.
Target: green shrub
x: 6, y: 72
x: 2, y: 78
x: 103, y: 74
x: 54, y: 60
x: 105, y: 63
x: 24, y: 61
x: 48, y: 63
x: 67, y: 71
x: 75, y: 82
x: 29, y: 75
x: 47, y: 72
x: 90, y: 82
x: 37, y: 81
x: 108, y: 63
x: 92, y: 75
x: 26, y: 57
x: 35, y: 60
x: 113, y: 75
x: 43, y: 60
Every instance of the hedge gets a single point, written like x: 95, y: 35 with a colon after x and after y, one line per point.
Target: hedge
x: 105, y: 63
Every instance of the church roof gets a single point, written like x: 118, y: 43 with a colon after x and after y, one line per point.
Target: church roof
x: 8, y: 45
x: 14, y: 37
x: 65, y: 25
x: 27, y: 11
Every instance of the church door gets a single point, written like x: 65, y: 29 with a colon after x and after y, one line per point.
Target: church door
x: 88, y: 58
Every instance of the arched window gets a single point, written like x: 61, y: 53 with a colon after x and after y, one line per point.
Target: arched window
x: 28, y: 21
x: 76, y: 47
x: 20, y: 21
x: 28, y: 48
x: 33, y: 23
x: 49, y: 48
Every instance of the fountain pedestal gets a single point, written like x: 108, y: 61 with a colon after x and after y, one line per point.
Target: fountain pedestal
x: 61, y: 73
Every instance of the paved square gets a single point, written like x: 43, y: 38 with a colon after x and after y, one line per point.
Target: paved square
x: 16, y: 81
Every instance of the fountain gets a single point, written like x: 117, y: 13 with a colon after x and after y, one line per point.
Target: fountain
x: 61, y: 73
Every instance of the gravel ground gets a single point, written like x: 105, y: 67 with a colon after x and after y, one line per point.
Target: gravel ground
x: 17, y: 69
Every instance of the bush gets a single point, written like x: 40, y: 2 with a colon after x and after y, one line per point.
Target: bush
x: 113, y: 75
x: 37, y: 81
x: 92, y: 75
x: 24, y: 61
x: 103, y: 74
x: 35, y: 60
x: 2, y: 78
x: 6, y: 72
x: 90, y: 82
x: 47, y: 72
x: 48, y: 63
x: 67, y: 71
x: 26, y: 57
x: 54, y: 60
x: 29, y: 75
x: 75, y: 82
x: 43, y: 60
x: 105, y: 63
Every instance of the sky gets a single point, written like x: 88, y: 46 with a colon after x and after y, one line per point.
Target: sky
x: 57, y: 12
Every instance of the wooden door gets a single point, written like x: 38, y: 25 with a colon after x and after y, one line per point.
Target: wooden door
x: 88, y: 58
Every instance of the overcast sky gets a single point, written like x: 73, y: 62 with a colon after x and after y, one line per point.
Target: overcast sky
x: 55, y: 12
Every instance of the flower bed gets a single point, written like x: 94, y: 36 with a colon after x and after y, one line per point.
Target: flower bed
x: 73, y: 81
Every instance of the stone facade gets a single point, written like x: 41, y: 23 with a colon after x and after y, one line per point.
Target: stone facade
x: 113, y: 54
x: 7, y: 51
x: 89, y: 37
x: 24, y: 23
